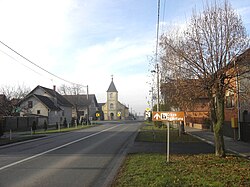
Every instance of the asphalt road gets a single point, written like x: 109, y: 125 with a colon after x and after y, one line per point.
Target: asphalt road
x: 87, y: 157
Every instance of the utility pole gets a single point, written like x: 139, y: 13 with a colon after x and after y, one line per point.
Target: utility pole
x: 152, y: 99
x: 158, y: 86
x: 87, y: 105
x: 158, y: 90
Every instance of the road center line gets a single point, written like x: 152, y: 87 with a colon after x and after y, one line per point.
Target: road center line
x: 56, y: 148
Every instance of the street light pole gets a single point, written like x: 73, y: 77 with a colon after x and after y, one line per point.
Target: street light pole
x: 152, y: 98
x: 158, y: 91
x: 158, y: 87
x: 87, y: 105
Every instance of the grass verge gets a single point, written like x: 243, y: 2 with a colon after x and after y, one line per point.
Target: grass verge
x: 184, y: 170
x: 49, y: 131
x: 150, y: 133
x: 39, y: 134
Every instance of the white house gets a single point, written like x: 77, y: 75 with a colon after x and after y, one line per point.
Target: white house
x: 45, y: 102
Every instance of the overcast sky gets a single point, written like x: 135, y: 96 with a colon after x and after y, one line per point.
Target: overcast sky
x: 87, y: 41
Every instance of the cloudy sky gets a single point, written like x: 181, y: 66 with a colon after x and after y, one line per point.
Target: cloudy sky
x: 87, y: 41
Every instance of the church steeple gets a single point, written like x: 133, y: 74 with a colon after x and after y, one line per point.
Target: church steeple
x: 112, y: 87
x: 113, y: 109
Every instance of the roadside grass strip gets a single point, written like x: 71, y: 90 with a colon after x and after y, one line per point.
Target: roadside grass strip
x: 79, y: 127
x: 150, y: 133
x: 152, y: 169
x: 183, y: 170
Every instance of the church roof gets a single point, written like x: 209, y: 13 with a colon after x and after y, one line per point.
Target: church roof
x: 112, y: 87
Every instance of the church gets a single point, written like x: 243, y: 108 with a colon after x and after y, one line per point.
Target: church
x: 113, y: 109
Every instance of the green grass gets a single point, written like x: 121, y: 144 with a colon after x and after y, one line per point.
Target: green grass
x: 150, y: 133
x: 63, y: 129
x: 142, y: 170
x: 183, y: 170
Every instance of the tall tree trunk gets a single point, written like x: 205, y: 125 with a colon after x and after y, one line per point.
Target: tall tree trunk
x: 218, y: 128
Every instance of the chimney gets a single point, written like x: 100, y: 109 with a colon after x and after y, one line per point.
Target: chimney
x: 55, y: 99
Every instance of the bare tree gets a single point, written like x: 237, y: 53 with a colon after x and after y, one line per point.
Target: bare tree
x: 72, y: 93
x: 206, y: 51
x: 15, y: 92
x: 11, y: 96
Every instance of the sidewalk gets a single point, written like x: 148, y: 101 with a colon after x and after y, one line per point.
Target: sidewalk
x: 231, y: 145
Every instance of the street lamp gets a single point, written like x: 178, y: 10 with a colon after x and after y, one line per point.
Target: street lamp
x: 87, y: 105
x: 152, y: 98
x: 87, y: 87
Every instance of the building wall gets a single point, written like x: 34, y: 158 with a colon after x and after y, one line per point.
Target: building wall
x: 37, y: 105
x: 244, y: 84
x: 66, y: 113
x: 92, y: 109
x: 55, y: 117
x: 110, y: 109
x: 124, y: 113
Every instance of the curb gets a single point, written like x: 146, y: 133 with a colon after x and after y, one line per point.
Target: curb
x: 202, y: 139
x: 212, y: 143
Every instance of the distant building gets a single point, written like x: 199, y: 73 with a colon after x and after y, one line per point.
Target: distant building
x: 45, y: 102
x: 82, y: 104
x: 113, y: 109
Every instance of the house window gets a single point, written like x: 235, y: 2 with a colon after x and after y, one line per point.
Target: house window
x: 111, y: 95
x: 38, y: 112
x: 30, y: 104
x: 111, y: 106
x: 230, y: 101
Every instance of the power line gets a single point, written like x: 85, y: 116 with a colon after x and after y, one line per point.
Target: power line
x: 163, y: 16
x: 20, y: 62
x: 36, y: 65
x: 157, y: 30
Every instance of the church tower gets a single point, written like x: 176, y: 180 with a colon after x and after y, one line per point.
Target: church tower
x: 113, y: 109
x: 112, y: 101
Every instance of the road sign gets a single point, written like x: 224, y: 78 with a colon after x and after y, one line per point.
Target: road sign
x: 147, y: 114
x: 168, y: 116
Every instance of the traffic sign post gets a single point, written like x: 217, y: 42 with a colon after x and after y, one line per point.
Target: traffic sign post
x: 168, y: 116
x: 168, y: 142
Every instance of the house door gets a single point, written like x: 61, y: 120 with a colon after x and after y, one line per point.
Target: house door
x: 112, y: 116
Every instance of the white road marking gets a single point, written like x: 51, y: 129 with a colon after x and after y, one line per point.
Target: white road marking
x: 56, y: 148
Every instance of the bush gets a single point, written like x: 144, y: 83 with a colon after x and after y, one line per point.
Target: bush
x: 65, y: 122
x: 34, y: 126
x: 45, y: 125
x: 158, y: 124
x: 72, y: 121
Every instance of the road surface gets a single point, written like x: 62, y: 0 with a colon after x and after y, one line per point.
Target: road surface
x: 88, y: 157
